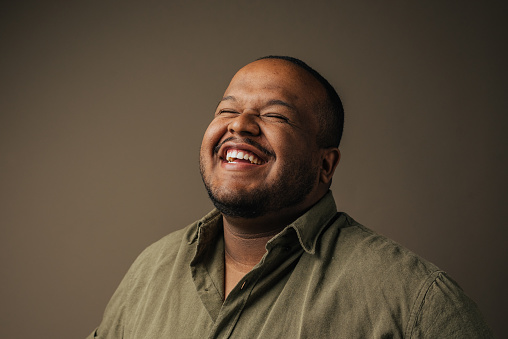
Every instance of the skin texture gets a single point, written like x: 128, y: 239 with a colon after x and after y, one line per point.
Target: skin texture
x: 270, y: 110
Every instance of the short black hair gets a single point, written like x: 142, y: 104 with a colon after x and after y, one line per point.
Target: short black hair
x: 331, y: 117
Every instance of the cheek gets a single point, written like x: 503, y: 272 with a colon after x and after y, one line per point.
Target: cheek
x: 287, y: 143
x: 212, y: 136
x: 297, y: 150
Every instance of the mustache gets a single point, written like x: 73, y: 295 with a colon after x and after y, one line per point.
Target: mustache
x: 245, y: 141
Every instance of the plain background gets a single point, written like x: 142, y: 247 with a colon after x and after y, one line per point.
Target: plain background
x: 104, y: 103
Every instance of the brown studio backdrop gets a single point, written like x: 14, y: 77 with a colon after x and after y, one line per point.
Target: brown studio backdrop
x: 104, y: 104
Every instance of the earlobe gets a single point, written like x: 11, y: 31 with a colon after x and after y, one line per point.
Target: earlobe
x: 331, y: 157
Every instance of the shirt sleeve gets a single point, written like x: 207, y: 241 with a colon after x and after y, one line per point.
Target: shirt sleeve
x: 113, y: 320
x: 112, y: 323
x: 444, y: 311
x: 92, y: 335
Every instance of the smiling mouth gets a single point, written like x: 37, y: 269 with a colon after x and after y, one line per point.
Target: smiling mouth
x: 236, y: 154
x: 239, y: 155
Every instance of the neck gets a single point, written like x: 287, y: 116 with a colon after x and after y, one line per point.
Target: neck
x: 245, y: 239
x: 244, y: 248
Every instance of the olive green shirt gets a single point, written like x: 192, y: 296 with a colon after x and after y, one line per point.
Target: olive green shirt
x: 323, y: 276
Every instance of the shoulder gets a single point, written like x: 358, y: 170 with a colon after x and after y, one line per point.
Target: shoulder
x: 157, y: 262
x: 157, y: 265
x: 442, y: 309
x: 167, y: 250
x: 388, y: 274
x: 358, y: 247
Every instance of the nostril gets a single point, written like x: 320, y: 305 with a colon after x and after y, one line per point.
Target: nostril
x: 244, y: 123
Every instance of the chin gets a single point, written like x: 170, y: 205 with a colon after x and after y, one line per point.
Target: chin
x: 296, y: 182
x: 241, y: 203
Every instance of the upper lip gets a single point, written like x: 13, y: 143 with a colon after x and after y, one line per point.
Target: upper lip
x: 246, y: 145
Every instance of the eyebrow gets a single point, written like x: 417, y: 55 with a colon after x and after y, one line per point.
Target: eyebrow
x: 277, y: 102
x: 226, y: 98
x: 229, y: 97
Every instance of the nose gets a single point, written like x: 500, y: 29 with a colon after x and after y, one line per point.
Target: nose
x: 244, y: 123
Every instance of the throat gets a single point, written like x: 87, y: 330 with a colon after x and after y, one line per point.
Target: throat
x: 245, y: 250
x: 233, y: 273
x: 241, y: 253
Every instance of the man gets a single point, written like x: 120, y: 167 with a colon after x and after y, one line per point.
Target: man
x: 276, y: 259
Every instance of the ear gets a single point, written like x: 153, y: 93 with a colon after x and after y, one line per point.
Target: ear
x: 331, y: 157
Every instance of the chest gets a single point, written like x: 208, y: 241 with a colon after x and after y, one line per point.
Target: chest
x: 296, y: 299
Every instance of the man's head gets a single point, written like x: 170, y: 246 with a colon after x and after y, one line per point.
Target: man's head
x: 330, y: 113
x: 274, y: 115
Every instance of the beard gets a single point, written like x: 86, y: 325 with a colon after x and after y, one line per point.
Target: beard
x: 295, y: 181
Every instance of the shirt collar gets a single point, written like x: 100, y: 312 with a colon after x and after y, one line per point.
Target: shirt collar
x: 311, y: 224
x: 211, y: 220
x: 308, y: 227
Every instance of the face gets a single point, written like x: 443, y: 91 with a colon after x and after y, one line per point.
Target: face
x: 259, y: 154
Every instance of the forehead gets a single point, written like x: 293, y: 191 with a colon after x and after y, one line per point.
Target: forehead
x: 270, y: 79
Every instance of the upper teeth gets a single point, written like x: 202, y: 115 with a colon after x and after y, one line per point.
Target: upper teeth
x: 231, y: 155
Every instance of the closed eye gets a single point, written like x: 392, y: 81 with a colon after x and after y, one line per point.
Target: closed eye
x: 279, y: 117
x: 227, y: 112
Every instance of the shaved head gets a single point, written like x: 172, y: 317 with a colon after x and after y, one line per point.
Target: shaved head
x: 330, y: 111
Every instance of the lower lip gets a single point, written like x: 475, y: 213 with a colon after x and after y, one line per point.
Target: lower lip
x: 239, y: 165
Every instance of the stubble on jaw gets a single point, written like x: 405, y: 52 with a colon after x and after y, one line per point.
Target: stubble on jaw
x: 296, y: 180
